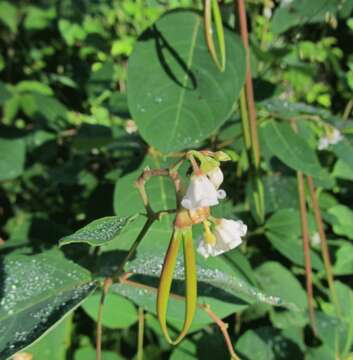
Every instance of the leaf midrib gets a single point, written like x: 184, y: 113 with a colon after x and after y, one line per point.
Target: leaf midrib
x: 50, y: 294
x: 188, y: 64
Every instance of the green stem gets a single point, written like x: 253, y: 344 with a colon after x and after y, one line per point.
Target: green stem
x: 245, y: 120
x: 140, y: 236
x: 348, y: 110
x: 141, y: 325
x: 106, y: 286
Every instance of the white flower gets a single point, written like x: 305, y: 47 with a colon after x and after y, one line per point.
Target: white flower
x: 201, y: 193
x: 216, y: 177
x: 267, y: 12
x: 330, y: 139
x: 130, y: 126
x: 315, y: 240
x: 228, y: 236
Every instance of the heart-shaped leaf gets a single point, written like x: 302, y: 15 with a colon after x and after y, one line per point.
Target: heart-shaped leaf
x: 176, y: 94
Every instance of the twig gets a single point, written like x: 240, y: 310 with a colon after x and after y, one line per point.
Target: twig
x: 306, y: 248
x: 106, y: 286
x: 152, y: 216
x: 323, y: 244
x: 141, y: 235
x: 141, y: 324
x: 224, y: 329
x: 147, y: 174
x: 140, y: 183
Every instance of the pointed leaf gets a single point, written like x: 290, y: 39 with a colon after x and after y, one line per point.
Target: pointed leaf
x: 38, y: 292
x: 291, y: 149
x: 99, y: 232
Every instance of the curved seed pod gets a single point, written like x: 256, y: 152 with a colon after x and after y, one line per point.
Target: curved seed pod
x: 167, y: 278
x: 211, y: 6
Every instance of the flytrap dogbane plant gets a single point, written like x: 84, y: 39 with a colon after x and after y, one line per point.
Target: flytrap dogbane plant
x: 220, y: 235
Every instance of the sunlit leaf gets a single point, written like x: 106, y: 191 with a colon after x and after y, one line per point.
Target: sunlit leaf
x: 38, y: 292
x: 176, y: 94
x: 99, y: 232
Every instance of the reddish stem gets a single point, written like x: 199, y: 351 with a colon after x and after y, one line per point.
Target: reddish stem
x: 249, y: 85
x: 306, y: 248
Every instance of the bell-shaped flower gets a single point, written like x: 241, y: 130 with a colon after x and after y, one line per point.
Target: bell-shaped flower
x: 216, y: 176
x: 201, y: 193
x: 228, y: 236
x: 332, y: 138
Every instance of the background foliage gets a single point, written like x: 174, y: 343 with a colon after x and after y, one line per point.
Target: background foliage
x: 67, y: 158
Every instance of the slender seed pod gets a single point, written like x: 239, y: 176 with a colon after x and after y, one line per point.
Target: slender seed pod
x: 167, y: 278
x: 212, y: 7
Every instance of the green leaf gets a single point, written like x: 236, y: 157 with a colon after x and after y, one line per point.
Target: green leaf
x: 343, y: 170
x: 341, y: 218
x: 43, y: 107
x: 38, y: 292
x: 54, y: 345
x: 276, y: 280
x: 344, y: 151
x: 99, y: 232
x: 299, y: 12
x: 176, y: 94
x: 71, y: 32
x: 89, y: 353
x: 5, y: 94
x: 320, y: 353
x: 337, y: 332
x: 344, y: 260
x: 292, y: 248
x: 34, y: 86
x: 8, y: 15
x: 12, y: 157
x: 267, y: 343
x: 285, y: 222
x: 291, y: 149
x: 37, y: 18
x: 92, y: 137
x: 218, y: 286
x: 280, y: 192
x: 333, y: 332
x: 118, y: 312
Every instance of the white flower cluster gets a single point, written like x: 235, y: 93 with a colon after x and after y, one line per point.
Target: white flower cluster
x: 330, y: 139
x: 203, y: 191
